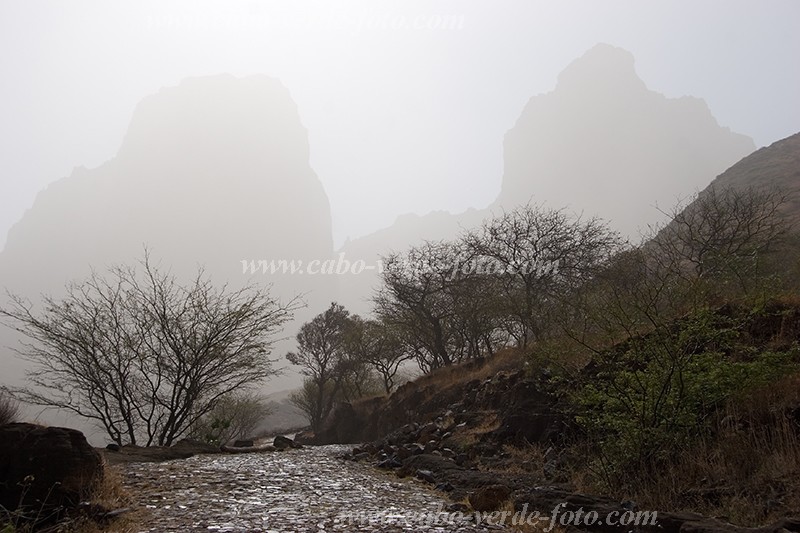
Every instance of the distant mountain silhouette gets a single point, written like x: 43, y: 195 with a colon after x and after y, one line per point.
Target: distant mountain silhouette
x: 601, y: 143
x: 211, y: 172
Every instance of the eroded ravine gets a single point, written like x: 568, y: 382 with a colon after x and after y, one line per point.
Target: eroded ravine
x: 303, y: 490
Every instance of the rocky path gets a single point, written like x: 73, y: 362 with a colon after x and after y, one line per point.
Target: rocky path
x: 303, y: 490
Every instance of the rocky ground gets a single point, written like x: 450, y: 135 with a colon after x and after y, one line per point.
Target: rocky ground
x: 469, y: 449
x: 302, y: 490
x: 487, y: 489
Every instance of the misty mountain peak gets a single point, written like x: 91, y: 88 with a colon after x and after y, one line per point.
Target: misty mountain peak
x: 604, y: 68
x: 224, y: 117
x: 604, y: 144
x: 210, y: 171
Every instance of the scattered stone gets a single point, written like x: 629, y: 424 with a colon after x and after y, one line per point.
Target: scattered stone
x: 244, y: 443
x: 427, y: 431
x: 190, y: 447
x: 390, y: 463
x: 305, y: 437
x: 426, y: 475
x: 389, y: 449
x: 403, y: 453
x: 461, y: 459
x: 416, y: 449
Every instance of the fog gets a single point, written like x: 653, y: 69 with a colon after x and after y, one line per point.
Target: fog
x: 221, y: 133
x: 406, y: 103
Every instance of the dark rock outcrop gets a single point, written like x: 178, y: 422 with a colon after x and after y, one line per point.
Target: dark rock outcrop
x: 48, y: 468
x: 284, y: 443
x: 529, y: 413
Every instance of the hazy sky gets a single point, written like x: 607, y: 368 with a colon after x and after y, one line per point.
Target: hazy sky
x: 406, y: 102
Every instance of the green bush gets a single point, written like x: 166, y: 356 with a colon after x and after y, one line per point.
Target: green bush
x: 651, y: 397
x: 235, y: 416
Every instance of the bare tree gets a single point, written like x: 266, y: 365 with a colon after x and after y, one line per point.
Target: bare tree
x: 538, y: 256
x: 723, y: 235
x: 431, y: 299
x: 322, y: 358
x: 142, y: 355
x: 375, y: 344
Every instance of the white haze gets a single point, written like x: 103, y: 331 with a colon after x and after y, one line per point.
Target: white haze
x: 399, y: 120
x: 361, y: 122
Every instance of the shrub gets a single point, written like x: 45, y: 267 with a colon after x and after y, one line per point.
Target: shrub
x: 655, y: 394
x: 234, y: 416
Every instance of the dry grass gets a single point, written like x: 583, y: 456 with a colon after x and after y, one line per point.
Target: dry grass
x: 565, y: 354
x: 508, y: 359
x: 469, y: 436
x: 110, y: 495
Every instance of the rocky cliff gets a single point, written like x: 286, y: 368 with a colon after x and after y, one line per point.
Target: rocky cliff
x: 211, y: 172
x: 604, y: 144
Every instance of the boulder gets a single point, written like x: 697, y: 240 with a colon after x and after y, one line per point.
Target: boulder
x: 46, y: 468
x: 190, y: 447
x: 284, y: 443
x: 426, y: 475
